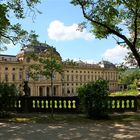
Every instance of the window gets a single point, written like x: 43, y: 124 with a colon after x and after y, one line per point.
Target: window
x: 13, y: 69
x: 20, y: 76
x: 13, y: 77
x: 95, y: 77
x: 6, y: 68
x: 80, y: 77
x: 67, y: 77
x: 72, y: 90
x: 2, y: 58
x: 6, y: 77
x: 92, y: 77
x: 68, y: 91
x: 76, y: 77
x: 85, y: 77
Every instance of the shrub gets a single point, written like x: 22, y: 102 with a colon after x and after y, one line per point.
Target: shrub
x: 132, y: 86
x: 8, y: 95
x: 93, y: 99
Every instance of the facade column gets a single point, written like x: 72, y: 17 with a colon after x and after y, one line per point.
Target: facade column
x: 50, y: 91
x: 45, y: 91
x: 34, y: 89
x: 37, y: 90
x: 59, y: 90
x: 31, y: 91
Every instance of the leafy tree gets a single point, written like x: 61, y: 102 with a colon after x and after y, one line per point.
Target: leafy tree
x: 70, y: 62
x: 114, y: 17
x: 8, y: 95
x: 93, y: 99
x: 48, y: 63
x: 9, y: 30
x: 130, y: 77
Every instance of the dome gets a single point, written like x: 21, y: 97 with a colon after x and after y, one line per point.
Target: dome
x: 40, y: 48
x: 106, y: 64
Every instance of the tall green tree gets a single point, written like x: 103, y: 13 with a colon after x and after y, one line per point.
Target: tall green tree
x: 115, y: 17
x: 47, y: 63
x: 11, y: 31
x: 129, y: 76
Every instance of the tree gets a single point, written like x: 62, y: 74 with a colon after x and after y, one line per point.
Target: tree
x: 130, y: 77
x: 8, y: 95
x: 48, y: 63
x: 93, y: 99
x: 10, y: 31
x: 114, y: 17
x: 70, y: 62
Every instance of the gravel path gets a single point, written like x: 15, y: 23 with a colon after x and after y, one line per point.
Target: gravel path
x: 105, y: 130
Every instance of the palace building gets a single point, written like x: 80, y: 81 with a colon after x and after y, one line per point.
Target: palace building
x: 14, y: 69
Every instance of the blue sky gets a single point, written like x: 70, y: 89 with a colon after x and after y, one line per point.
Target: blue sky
x: 57, y: 27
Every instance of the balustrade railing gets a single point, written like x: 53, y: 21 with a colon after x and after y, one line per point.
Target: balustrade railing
x: 122, y: 103
x: 70, y: 104
x: 45, y: 104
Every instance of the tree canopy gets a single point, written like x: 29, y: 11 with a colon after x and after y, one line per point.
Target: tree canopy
x: 47, y: 63
x: 15, y: 9
x: 120, y: 18
x: 129, y: 76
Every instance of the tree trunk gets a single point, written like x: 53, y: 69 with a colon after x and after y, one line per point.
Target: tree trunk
x: 52, y: 94
x: 136, y: 54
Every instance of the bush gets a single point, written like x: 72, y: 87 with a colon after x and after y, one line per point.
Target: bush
x: 132, y: 87
x: 8, y: 95
x: 93, y: 99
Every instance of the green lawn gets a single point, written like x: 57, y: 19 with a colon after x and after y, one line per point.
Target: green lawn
x: 68, y: 118
x: 125, y: 93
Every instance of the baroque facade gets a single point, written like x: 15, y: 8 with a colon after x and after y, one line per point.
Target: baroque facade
x: 14, y: 69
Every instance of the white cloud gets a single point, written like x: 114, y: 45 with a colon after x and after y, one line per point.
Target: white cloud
x: 116, y: 54
x: 59, y: 32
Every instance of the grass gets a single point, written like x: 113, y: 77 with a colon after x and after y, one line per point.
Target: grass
x: 46, y: 118
x: 125, y: 93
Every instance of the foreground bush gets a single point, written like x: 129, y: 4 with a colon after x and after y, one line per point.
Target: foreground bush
x: 8, y: 94
x: 93, y: 99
